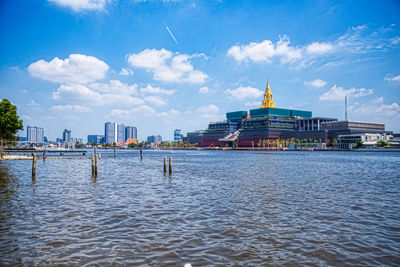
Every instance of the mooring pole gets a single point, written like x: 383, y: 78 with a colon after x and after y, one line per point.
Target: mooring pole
x: 115, y: 152
x: 165, y: 165
x: 170, y: 166
x: 95, y: 167
x: 92, y: 164
x: 34, y: 166
x: 141, y: 153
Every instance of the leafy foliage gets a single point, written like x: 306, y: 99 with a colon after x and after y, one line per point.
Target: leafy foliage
x: 382, y: 143
x: 9, y: 120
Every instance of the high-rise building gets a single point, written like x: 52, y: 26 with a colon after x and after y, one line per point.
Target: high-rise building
x: 120, y: 133
x: 154, y: 139
x: 34, y: 134
x: 67, y: 136
x: 130, y: 132
x: 94, y: 138
x: 114, y: 132
x: 177, y: 135
x: 109, y: 133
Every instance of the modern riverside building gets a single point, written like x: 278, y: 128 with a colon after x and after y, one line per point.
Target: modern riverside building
x: 194, y: 137
x: 95, y: 138
x: 154, y: 139
x: 216, y: 131
x: 67, y: 136
x: 177, y: 135
x: 130, y: 132
x: 114, y: 132
x: 336, y: 128
x: 366, y: 139
x: 34, y: 134
x: 269, y: 122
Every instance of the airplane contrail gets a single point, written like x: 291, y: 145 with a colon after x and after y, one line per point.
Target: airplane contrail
x: 173, y: 37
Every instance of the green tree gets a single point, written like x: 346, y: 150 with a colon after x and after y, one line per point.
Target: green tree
x: 264, y: 143
x: 382, y: 143
x: 334, y: 143
x: 235, y: 143
x: 9, y: 122
x: 359, y: 143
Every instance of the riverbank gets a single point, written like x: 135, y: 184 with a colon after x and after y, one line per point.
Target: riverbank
x: 15, y: 157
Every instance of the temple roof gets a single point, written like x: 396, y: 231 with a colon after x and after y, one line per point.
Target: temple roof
x: 268, y: 101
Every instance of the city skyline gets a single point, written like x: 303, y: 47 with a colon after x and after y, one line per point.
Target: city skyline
x: 166, y: 65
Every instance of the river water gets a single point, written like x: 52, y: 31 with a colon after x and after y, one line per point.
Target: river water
x: 217, y: 208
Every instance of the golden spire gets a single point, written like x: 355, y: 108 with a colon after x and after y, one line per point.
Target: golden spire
x: 268, y: 101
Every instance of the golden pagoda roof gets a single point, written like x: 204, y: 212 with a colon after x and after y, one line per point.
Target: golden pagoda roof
x: 268, y: 101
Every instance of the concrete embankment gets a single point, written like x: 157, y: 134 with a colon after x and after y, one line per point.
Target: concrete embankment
x: 13, y: 157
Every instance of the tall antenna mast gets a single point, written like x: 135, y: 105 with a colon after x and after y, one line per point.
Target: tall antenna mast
x: 345, y: 108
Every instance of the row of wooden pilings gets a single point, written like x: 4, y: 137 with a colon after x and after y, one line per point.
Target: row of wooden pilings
x: 95, y: 158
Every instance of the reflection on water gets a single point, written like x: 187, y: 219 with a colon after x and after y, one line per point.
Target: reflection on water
x: 219, y: 207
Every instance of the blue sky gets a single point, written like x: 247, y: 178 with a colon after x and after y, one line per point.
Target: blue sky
x: 161, y: 65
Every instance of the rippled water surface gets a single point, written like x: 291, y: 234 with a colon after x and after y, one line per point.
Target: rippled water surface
x: 218, y: 207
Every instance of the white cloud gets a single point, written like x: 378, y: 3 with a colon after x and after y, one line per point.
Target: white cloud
x: 76, y: 68
x: 155, y: 100
x: 244, y: 92
x: 115, y: 87
x: 32, y: 103
x: 356, y: 41
x: 208, y: 109
x: 170, y: 114
x: 24, y: 91
x: 126, y: 72
x: 391, y: 78
x: 317, y: 48
x: 76, y: 91
x: 167, y: 66
x: 317, y: 83
x: 286, y: 52
x: 376, y: 107
x: 89, y: 95
x: 338, y: 93
x: 70, y: 108
x: 252, y: 104
x: 257, y: 52
x: 81, y: 5
x: 139, y: 111
x: 203, y: 90
x: 266, y: 50
x: 156, y: 90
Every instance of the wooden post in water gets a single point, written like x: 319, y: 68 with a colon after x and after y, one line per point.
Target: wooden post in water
x: 92, y: 164
x: 170, y: 166
x: 94, y: 151
x: 1, y: 148
x: 95, y: 166
x: 34, y: 166
x: 165, y: 165
x: 115, y: 152
x: 141, y: 153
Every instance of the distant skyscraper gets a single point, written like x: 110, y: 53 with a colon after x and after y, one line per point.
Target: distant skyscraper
x: 94, y: 138
x: 120, y: 133
x: 109, y: 132
x: 130, y: 132
x: 67, y: 135
x: 155, y: 139
x: 177, y: 135
x: 35, y: 134
x: 114, y: 132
